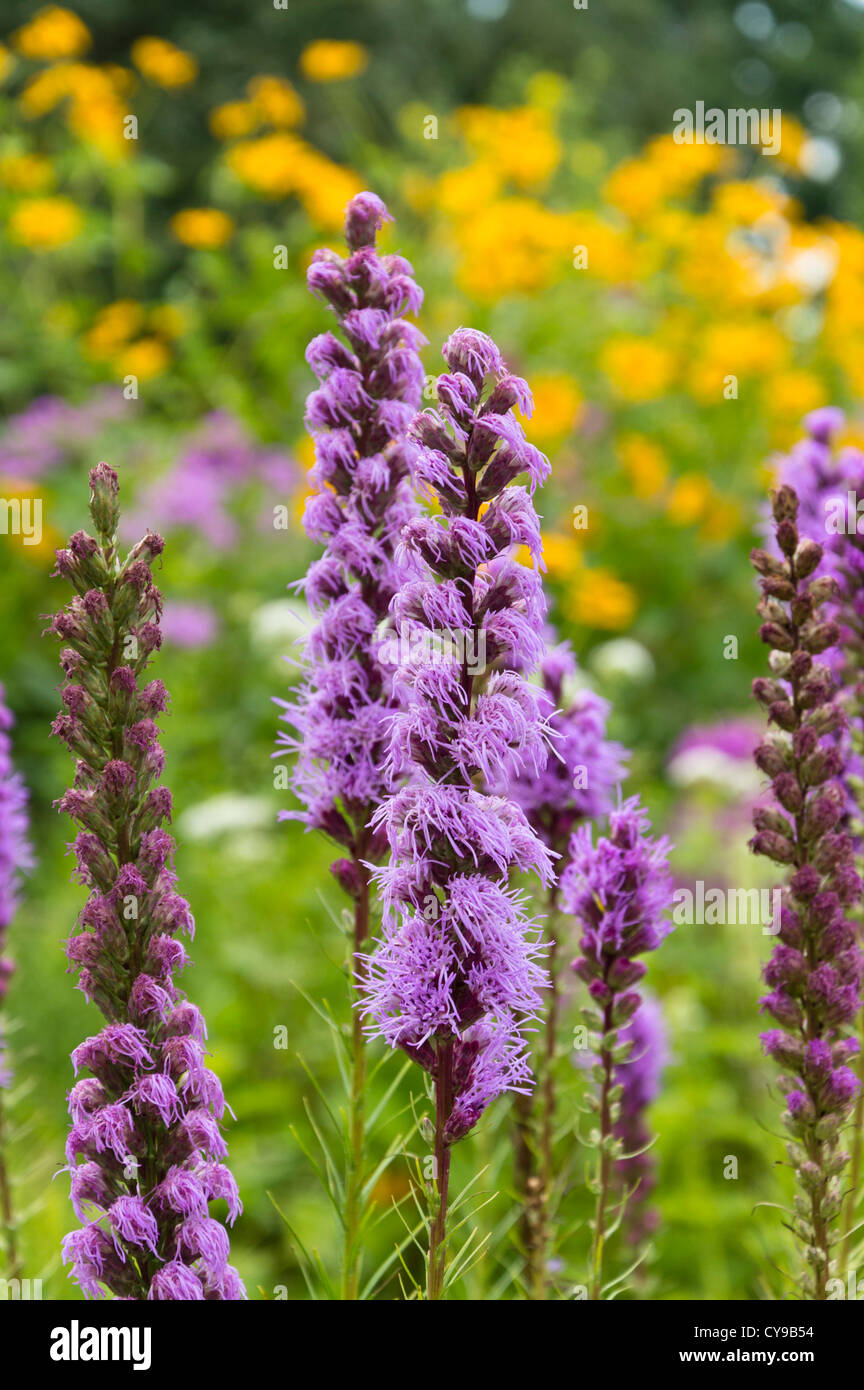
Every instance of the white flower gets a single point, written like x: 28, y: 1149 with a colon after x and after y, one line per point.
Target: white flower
x: 280, y: 623
x: 623, y: 659
x: 226, y: 814
x: 737, y: 778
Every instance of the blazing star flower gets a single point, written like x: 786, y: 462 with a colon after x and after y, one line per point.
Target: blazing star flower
x: 578, y: 783
x: 457, y: 971
x: 371, y: 379
x: 15, y: 855
x: 145, y: 1150
x: 822, y: 480
x: 814, y: 973
x: 370, y: 383
x: 639, y: 1076
x: 619, y: 889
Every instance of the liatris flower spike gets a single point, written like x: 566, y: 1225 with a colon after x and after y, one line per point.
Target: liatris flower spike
x: 578, y: 783
x: 814, y: 973
x: 370, y: 389
x: 639, y: 1076
x: 371, y: 380
x: 824, y: 479
x: 15, y: 854
x: 15, y: 858
x: 145, y: 1149
x: 457, y: 972
x: 620, y: 890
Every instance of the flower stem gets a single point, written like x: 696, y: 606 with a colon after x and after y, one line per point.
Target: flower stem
x: 357, y: 1102
x: 7, y: 1216
x: 550, y: 1039
x: 604, y: 1175
x: 857, y: 1149
x: 438, y: 1228
x: 533, y: 1162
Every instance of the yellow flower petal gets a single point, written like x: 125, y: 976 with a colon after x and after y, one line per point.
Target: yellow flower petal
x: 45, y: 223
x: 52, y: 33
x: 163, y: 63
x: 202, y: 228
x: 332, y: 60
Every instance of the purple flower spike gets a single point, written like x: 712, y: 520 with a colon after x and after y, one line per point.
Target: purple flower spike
x: 639, y: 1075
x: 15, y: 855
x: 577, y: 784
x: 370, y: 387
x: 620, y: 890
x: 457, y: 974
x: 15, y: 859
x: 824, y: 480
x: 371, y: 378
x: 814, y: 973
x: 145, y: 1136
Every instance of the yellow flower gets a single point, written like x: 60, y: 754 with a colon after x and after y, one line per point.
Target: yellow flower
x: 26, y: 173
x: 326, y: 192
x: 645, y: 464
x: 277, y: 164
x: 114, y: 325
x: 203, y: 228
x: 52, y: 33
x: 557, y: 406
x: 562, y: 555
x: 99, y: 122
x: 689, y: 499
x: 6, y: 61
x: 271, y: 165
x: 44, y: 91
x: 276, y: 101
x: 635, y: 188
x: 743, y: 349
x: 460, y: 191
x: 233, y: 119
x: 520, y: 143
x: 640, y: 187
x: 304, y: 450
x: 45, y: 223
x: 792, y: 394
x: 96, y: 113
x: 746, y: 200
x: 163, y: 63
x: 512, y: 244
x: 600, y: 599
x: 332, y: 60
x: 123, y: 80
x: 639, y: 369
x: 144, y: 359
